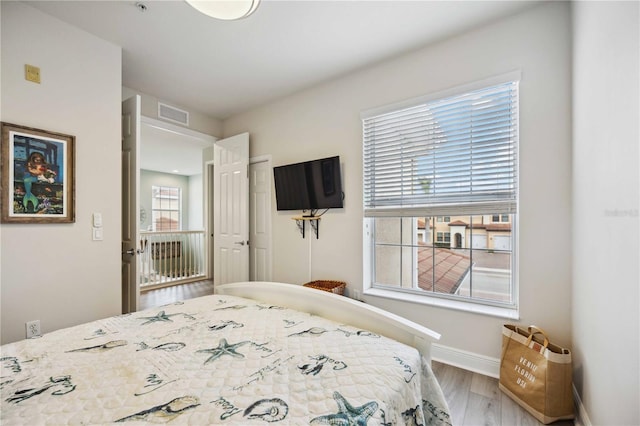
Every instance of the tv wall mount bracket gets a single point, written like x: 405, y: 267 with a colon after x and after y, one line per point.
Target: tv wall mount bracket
x: 314, y: 224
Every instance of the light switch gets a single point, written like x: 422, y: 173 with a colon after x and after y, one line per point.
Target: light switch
x: 97, y: 234
x: 97, y: 220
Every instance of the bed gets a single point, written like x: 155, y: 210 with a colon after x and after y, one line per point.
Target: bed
x: 253, y: 353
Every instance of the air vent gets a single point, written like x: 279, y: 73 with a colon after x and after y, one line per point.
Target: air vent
x: 169, y: 113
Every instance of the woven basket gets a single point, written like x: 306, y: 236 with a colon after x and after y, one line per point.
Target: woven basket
x: 336, y: 287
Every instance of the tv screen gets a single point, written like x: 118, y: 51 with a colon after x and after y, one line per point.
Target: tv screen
x: 291, y: 187
x: 310, y: 185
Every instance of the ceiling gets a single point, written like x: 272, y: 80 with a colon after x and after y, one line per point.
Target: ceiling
x: 221, y: 68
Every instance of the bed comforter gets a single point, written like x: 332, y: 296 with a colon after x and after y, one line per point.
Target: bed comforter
x: 217, y: 360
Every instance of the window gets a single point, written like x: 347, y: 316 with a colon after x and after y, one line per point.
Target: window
x: 166, y: 204
x: 500, y: 218
x: 443, y: 237
x: 447, y: 163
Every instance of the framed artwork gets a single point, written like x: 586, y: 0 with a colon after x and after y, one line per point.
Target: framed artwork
x: 37, y: 182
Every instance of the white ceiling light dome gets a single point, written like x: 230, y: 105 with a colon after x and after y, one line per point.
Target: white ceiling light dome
x: 227, y: 10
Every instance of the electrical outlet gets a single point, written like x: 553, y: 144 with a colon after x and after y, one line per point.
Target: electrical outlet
x: 33, y: 329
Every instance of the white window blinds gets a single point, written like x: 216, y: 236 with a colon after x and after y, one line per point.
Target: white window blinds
x: 457, y: 154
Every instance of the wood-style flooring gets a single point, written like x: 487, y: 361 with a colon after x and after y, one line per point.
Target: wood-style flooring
x: 163, y: 296
x: 474, y: 399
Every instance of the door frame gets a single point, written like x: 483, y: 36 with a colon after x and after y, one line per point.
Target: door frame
x: 208, y: 214
x: 163, y: 125
x: 263, y: 159
x: 130, y: 227
x: 186, y: 132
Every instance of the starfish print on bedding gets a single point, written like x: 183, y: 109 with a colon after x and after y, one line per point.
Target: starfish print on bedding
x: 163, y: 317
x: 347, y: 415
x: 223, y: 349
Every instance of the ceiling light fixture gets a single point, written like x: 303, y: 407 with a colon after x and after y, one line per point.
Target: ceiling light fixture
x: 227, y: 10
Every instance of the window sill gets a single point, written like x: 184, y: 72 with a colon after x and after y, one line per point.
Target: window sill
x: 476, y: 308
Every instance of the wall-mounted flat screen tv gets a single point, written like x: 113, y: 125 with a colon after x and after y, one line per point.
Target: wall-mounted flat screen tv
x: 310, y: 185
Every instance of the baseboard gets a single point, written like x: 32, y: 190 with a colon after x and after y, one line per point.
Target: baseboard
x: 582, y: 418
x: 466, y: 360
x: 489, y: 366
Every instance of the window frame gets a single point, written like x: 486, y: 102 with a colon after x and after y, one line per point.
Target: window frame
x: 155, y: 211
x: 371, y: 288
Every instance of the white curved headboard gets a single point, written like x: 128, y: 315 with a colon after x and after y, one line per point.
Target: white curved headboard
x: 337, y: 308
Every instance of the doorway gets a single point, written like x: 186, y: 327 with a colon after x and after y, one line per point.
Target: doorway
x: 171, y: 198
x: 260, y: 234
x: 139, y: 151
x: 458, y: 242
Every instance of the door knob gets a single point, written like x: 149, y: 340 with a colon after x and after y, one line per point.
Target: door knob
x: 239, y: 242
x: 131, y: 252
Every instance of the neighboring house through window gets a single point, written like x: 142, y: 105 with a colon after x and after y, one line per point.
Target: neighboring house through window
x: 166, y: 208
x: 440, y: 195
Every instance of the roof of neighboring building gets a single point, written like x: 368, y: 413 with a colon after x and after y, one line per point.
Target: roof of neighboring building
x: 450, y: 269
x: 422, y: 223
x: 458, y: 223
x: 498, y: 227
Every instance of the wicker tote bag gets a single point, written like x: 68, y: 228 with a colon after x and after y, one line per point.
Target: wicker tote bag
x: 536, y: 373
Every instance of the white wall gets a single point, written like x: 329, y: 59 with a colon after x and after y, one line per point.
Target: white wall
x: 197, y: 120
x: 55, y: 272
x: 325, y: 121
x: 606, y: 188
x: 196, y: 203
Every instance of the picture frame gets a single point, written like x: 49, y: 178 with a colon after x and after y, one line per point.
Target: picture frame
x: 37, y: 175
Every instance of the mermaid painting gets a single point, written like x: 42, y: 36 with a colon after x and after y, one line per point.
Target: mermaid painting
x: 37, y: 170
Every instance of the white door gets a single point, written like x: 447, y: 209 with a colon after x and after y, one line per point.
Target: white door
x: 231, y: 210
x: 130, y: 203
x: 260, y: 173
x: 479, y: 241
x: 502, y: 242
